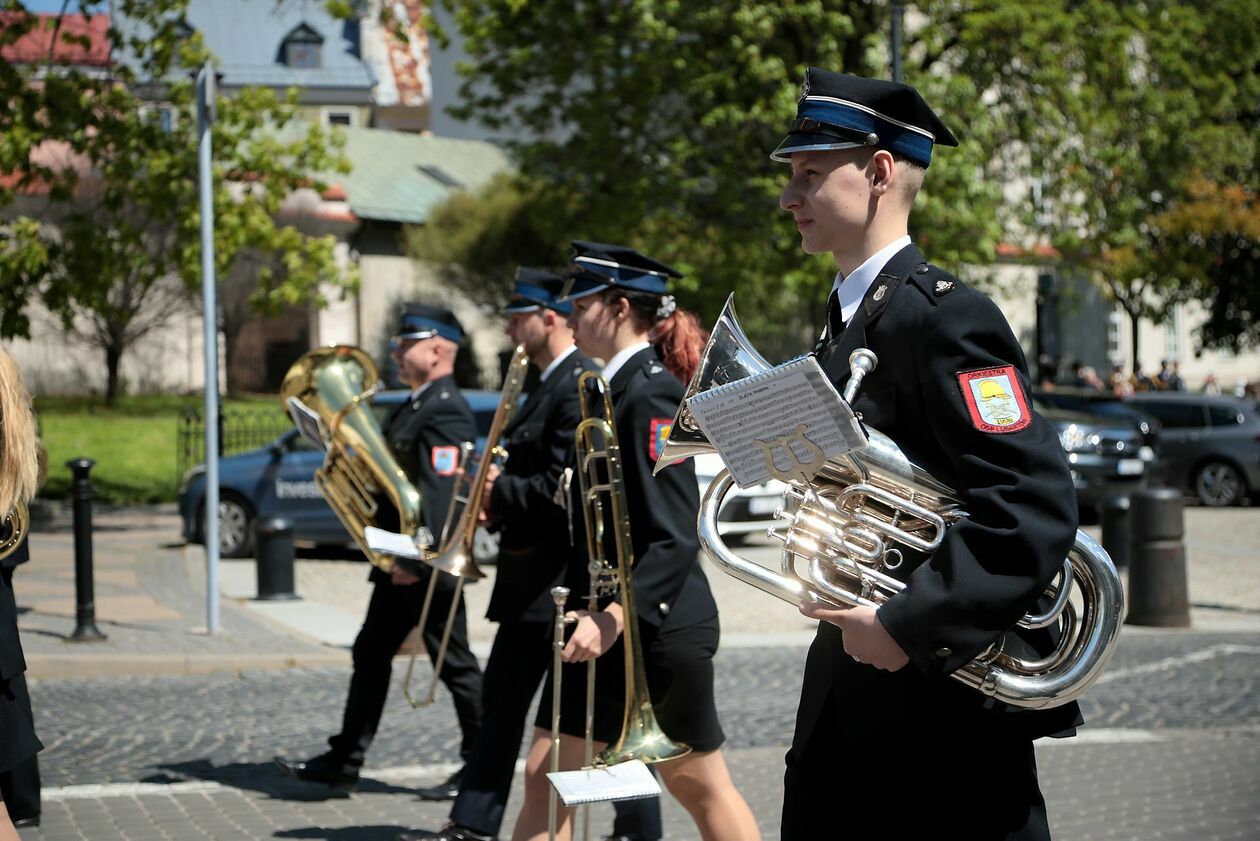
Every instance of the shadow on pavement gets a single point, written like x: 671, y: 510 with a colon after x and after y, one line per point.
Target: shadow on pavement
x: 380, y: 832
x: 265, y: 778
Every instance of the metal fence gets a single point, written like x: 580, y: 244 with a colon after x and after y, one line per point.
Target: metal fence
x: 239, y: 430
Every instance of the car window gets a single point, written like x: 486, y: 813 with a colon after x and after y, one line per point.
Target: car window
x: 1224, y: 416
x: 1176, y: 415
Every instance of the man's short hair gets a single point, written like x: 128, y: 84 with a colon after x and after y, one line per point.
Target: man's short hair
x: 909, y: 177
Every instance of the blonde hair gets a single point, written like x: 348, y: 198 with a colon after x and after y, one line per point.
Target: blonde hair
x: 19, y: 462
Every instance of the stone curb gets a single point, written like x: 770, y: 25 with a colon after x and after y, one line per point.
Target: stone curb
x: 85, y: 666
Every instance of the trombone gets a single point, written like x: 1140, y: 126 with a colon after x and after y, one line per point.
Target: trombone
x: 641, y: 736
x: 456, y: 553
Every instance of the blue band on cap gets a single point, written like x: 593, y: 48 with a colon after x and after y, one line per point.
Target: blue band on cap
x: 907, y: 142
x: 626, y: 277
x: 420, y: 324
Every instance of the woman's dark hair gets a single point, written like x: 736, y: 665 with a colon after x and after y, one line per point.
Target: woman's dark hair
x: 678, y: 337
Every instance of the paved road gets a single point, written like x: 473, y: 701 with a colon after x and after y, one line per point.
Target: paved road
x: 1172, y: 751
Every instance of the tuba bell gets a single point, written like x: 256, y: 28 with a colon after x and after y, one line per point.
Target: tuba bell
x: 846, y: 528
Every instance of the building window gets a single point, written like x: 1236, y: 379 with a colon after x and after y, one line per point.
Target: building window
x: 1115, y: 352
x: 1172, y: 334
x: 301, y: 47
x: 338, y: 117
x: 303, y: 55
x: 166, y: 119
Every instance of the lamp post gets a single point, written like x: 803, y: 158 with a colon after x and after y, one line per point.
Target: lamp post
x: 206, y: 92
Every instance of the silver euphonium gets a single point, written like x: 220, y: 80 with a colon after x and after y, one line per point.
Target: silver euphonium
x: 846, y: 528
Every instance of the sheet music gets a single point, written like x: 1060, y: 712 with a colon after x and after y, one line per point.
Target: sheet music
x: 630, y: 780
x: 309, y: 424
x: 391, y: 543
x: 790, y: 411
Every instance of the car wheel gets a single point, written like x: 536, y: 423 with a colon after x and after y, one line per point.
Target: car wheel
x: 236, y: 527
x: 1219, y: 484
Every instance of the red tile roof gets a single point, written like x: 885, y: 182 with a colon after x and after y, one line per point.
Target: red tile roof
x: 34, y: 46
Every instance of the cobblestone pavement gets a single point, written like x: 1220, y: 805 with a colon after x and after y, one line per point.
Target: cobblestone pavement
x: 1172, y: 750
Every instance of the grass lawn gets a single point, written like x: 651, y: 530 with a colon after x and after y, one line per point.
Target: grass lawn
x: 133, y: 443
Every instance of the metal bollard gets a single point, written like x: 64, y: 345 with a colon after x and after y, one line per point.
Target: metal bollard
x: 273, y: 552
x: 1115, y: 529
x: 1158, y: 590
x: 85, y: 629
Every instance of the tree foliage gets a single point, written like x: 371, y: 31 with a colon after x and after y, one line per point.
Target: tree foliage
x: 650, y: 122
x: 120, y: 226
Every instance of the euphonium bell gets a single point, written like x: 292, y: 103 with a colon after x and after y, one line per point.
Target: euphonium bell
x: 846, y: 528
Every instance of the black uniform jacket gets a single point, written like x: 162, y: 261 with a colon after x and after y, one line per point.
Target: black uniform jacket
x: 535, y: 547
x: 422, y: 434
x: 670, y: 589
x: 928, y: 331
x: 11, y: 660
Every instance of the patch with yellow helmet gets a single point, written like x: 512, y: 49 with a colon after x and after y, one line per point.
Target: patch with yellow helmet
x: 995, y: 399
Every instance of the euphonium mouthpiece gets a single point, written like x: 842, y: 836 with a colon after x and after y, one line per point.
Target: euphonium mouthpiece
x: 861, y: 362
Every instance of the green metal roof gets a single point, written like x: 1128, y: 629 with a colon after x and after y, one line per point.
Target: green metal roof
x: 401, y: 177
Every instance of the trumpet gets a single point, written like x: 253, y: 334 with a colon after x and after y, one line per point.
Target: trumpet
x: 456, y: 554
x: 847, y: 526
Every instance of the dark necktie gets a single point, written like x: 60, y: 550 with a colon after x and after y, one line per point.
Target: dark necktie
x: 835, y: 321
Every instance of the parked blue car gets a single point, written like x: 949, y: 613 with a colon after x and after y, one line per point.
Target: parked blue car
x: 279, y: 480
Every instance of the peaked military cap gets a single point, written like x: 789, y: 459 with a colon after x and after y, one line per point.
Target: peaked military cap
x: 838, y: 111
x: 598, y: 265
x: 418, y: 321
x: 537, y: 289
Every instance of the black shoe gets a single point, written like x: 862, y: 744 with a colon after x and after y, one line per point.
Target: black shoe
x: 325, y: 768
x: 33, y: 820
x: 448, y: 789
x: 452, y: 832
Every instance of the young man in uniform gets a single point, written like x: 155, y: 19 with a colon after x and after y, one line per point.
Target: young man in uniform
x: 424, y: 433
x: 535, y: 549
x: 880, y: 719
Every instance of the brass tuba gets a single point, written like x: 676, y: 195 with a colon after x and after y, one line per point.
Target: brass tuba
x: 334, y: 385
x: 456, y: 554
x: 845, y: 526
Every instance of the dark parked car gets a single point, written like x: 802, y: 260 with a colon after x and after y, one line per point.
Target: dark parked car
x: 1210, y: 445
x: 1108, y: 455
x: 279, y: 479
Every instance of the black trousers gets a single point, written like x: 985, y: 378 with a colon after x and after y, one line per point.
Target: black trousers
x: 20, y: 788
x: 392, y: 613
x: 519, y: 659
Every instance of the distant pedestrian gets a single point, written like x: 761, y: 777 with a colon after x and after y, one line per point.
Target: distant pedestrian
x: 1138, y: 380
x: 1090, y: 380
x: 1121, y: 386
x: 1210, y: 386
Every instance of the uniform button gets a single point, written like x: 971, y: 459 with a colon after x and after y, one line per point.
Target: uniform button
x: 664, y: 608
x: 944, y: 652
x: 922, y: 269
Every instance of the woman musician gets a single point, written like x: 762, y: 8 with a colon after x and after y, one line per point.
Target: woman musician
x: 623, y: 314
x: 19, y: 472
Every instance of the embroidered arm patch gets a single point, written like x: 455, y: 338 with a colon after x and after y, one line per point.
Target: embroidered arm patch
x: 995, y: 400
x: 657, y: 433
x: 445, y: 460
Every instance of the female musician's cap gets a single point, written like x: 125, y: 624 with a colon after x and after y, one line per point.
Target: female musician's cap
x: 838, y: 111
x: 418, y: 321
x: 598, y: 265
x: 537, y: 289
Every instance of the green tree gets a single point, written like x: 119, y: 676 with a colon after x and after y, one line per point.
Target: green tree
x: 650, y: 122
x: 117, y: 237
x: 1212, y: 237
